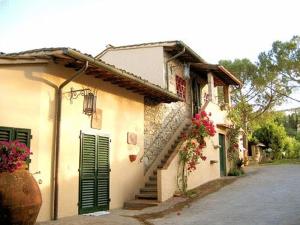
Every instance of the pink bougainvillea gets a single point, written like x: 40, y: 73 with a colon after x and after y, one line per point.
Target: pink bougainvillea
x: 192, y: 150
x: 12, y: 155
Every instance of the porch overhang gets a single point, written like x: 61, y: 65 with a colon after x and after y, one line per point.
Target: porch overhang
x: 74, y: 59
x: 224, y: 126
x: 221, y: 73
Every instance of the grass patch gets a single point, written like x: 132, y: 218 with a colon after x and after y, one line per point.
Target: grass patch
x: 281, y: 161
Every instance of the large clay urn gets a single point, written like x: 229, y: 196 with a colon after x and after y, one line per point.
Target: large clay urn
x: 20, y: 198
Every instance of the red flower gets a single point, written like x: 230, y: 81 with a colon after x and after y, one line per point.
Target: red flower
x: 203, y: 114
x: 11, y: 155
x: 192, y: 152
x: 203, y: 157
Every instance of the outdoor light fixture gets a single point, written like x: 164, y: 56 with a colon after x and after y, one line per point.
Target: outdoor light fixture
x: 89, y: 99
x: 89, y: 103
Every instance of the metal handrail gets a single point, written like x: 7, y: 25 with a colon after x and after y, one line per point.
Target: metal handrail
x: 159, y: 134
x: 161, y: 131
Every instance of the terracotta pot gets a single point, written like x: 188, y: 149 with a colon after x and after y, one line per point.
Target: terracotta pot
x: 132, y: 158
x: 20, y: 198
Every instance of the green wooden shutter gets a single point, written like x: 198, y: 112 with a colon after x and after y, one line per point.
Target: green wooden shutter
x: 103, y: 172
x: 6, y: 133
x: 222, y: 155
x: 87, y: 173
x: 11, y: 134
x: 94, y: 174
x: 23, y: 135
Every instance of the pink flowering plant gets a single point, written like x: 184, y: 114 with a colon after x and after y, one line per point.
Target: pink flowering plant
x: 13, y: 154
x: 193, y: 143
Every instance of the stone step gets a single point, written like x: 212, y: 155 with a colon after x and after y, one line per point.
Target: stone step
x: 140, y: 204
x: 152, y: 183
x: 149, y: 195
x: 153, y: 177
x: 148, y: 189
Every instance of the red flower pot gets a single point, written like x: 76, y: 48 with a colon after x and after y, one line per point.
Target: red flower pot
x: 132, y: 158
x: 20, y: 198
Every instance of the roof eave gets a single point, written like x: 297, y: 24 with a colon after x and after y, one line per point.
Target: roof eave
x: 93, y: 61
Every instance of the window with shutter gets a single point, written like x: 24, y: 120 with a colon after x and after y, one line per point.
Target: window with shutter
x: 11, y: 134
x: 94, y: 173
x: 6, y: 133
x: 181, y: 87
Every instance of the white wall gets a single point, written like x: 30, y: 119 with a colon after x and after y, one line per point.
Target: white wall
x: 145, y: 62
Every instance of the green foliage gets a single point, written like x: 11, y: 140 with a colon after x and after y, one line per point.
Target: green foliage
x: 266, y: 83
x: 283, y: 60
x: 291, y: 148
x: 273, y: 136
x: 298, y: 137
x: 290, y: 123
x: 235, y: 172
x: 233, y: 143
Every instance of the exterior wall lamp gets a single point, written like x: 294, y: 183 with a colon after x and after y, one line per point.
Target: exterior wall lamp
x: 89, y: 103
x: 89, y: 99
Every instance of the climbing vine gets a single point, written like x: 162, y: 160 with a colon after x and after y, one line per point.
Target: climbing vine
x: 233, y: 152
x: 233, y: 143
x: 191, y: 150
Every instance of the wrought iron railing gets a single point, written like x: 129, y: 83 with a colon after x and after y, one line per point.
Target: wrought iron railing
x: 170, y: 124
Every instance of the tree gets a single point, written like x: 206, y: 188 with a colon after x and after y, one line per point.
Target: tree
x: 257, y: 95
x: 290, y: 122
x: 283, y: 60
x: 273, y: 136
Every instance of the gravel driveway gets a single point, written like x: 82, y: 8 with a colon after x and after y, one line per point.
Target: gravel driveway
x: 270, y: 196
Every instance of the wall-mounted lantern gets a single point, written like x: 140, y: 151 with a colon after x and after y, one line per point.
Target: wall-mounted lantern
x: 89, y: 99
x: 89, y: 103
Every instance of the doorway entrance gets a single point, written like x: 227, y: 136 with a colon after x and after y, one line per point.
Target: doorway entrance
x: 94, y: 173
x: 222, y: 155
x: 196, y: 90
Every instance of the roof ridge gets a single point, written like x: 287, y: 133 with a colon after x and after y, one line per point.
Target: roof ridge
x: 110, y: 46
x: 144, y: 43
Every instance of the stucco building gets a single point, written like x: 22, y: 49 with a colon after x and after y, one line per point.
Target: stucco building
x: 81, y: 154
x: 175, y: 67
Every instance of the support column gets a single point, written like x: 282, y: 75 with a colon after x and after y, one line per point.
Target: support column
x: 226, y: 92
x: 210, y: 79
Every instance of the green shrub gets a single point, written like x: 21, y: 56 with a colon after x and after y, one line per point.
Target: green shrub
x: 236, y: 172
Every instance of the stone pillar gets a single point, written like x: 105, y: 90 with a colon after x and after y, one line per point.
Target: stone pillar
x: 211, y: 93
x: 226, y: 92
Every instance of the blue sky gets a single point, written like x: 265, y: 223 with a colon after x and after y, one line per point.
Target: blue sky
x: 215, y: 29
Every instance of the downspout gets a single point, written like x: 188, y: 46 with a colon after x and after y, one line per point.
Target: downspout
x: 54, y: 213
x: 167, y: 70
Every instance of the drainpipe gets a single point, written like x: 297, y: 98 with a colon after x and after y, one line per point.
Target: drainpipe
x: 57, y: 139
x: 167, y: 70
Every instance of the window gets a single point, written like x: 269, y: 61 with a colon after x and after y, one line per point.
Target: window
x: 11, y: 134
x: 181, y: 87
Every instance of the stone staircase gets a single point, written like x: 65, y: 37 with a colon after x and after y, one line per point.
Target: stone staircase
x: 148, y: 195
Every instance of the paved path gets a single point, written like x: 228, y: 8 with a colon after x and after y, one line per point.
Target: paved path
x: 271, y: 196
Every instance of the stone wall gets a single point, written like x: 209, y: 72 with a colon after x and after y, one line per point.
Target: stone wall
x: 160, y: 122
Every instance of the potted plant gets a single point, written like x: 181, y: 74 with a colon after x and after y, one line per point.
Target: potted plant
x: 134, y: 150
x: 20, y: 194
